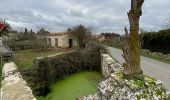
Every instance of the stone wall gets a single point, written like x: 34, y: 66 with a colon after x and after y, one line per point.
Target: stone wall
x: 13, y: 86
x: 109, y: 65
x: 117, y: 87
x: 62, y: 41
x: 156, y: 54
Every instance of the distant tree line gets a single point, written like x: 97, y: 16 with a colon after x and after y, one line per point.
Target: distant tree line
x: 156, y: 41
x: 110, y: 34
x: 112, y: 39
x: 27, y: 39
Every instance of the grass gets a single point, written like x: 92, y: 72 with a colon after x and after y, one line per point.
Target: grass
x: 24, y: 58
x: 115, y: 45
x: 157, y: 58
x: 76, y: 85
x: 149, y: 56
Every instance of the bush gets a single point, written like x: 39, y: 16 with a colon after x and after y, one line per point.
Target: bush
x: 51, y: 69
x: 157, y: 41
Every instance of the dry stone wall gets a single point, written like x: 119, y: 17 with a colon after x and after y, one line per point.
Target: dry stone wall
x: 109, y: 65
x: 113, y: 87
x: 116, y: 87
x: 156, y: 54
x: 13, y: 86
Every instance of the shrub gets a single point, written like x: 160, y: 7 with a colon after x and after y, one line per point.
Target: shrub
x: 51, y: 69
x: 157, y: 41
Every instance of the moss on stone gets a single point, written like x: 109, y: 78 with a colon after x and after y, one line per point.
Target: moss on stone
x: 149, y: 81
x: 118, y: 74
x: 117, y: 85
x: 145, y: 87
x: 142, y: 82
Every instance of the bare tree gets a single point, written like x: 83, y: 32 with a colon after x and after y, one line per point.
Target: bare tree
x: 132, y: 49
x: 81, y: 33
x: 167, y: 23
x: 42, y: 31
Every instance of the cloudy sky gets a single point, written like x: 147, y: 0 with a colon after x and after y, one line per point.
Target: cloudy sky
x: 102, y: 15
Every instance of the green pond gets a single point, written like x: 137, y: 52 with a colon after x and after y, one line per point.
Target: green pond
x: 76, y: 85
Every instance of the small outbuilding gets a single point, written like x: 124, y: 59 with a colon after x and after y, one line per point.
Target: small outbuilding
x: 61, y: 40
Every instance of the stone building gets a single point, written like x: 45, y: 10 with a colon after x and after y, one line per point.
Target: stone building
x: 61, y: 40
x: 10, y: 37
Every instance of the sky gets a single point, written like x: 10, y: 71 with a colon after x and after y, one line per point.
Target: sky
x: 101, y: 15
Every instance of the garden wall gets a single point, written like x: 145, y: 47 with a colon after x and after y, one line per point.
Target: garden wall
x: 113, y: 86
x: 117, y: 87
x: 108, y: 65
x: 13, y: 86
x: 156, y: 54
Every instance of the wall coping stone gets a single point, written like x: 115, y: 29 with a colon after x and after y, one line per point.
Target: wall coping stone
x: 115, y: 87
x: 14, y: 87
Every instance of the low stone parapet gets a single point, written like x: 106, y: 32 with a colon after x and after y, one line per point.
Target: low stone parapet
x: 155, y: 54
x: 117, y: 87
x: 13, y: 86
x: 109, y: 65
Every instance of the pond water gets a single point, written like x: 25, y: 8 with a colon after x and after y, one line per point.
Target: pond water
x: 76, y: 85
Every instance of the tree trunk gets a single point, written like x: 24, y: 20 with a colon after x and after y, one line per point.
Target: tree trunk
x: 132, y: 49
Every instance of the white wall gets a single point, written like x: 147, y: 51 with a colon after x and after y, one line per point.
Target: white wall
x: 63, y: 40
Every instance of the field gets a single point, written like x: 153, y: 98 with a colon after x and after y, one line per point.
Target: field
x: 24, y: 58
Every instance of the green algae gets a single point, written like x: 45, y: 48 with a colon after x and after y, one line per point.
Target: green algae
x: 76, y: 85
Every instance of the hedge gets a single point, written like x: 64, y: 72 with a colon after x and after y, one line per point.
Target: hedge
x: 51, y: 69
x: 157, y: 41
x: 26, y: 44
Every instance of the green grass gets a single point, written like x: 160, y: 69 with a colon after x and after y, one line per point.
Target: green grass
x: 157, y: 58
x: 76, y: 85
x: 24, y: 58
x: 114, y: 44
x: 149, y: 56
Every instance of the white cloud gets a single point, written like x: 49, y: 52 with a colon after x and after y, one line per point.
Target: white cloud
x: 103, y: 15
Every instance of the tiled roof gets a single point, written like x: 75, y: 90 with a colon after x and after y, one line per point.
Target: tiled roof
x: 57, y: 33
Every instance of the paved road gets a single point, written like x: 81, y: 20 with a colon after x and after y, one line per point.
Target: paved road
x: 151, y: 67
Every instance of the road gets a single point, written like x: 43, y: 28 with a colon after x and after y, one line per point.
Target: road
x: 151, y: 67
